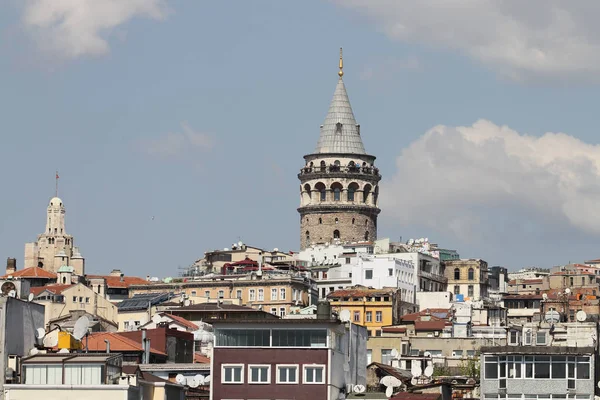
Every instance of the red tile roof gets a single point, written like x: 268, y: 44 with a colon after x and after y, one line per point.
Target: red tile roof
x: 201, y: 359
x: 361, y: 291
x: 430, y: 325
x: 118, y: 343
x: 116, y: 282
x: 54, y: 289
x: 182, y: 321
x: 394, y: 329
x: 32, y: 272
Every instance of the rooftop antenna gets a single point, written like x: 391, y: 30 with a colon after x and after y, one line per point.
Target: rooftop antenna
x: 341, y: 71
x: 56, y: 187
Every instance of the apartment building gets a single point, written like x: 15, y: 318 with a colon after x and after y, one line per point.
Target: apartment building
x: 468, y: 277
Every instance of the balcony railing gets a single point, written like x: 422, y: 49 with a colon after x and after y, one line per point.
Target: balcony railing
x: 433, y: 277
x: 339, y: 169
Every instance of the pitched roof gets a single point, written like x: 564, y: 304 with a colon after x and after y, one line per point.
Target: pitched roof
x: 361, y: 291
x: 339, y: 133
x: 182, y: 321
x: 54, y: 289
x: 32, y: 272
x: 215, y: 307
x: 118, y: 282
x: 118, y: 343
x: 201, y: 359
x: 430, y: 325
x: 143, y: 300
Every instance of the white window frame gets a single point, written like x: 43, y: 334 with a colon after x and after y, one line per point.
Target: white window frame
x: 261, y: 294
x: 282, y: 293
x: 274, y: 294
x: 282, y: 312
x: 251, y: 382
x: 223, y: 366
x: 221, y: 294
x: 252, y: 295
x: 306, y: 366
x: 279, y: 382
x: 378, y: 316
x: 238, y: 294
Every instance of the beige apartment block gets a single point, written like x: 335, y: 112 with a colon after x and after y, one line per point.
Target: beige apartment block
x: 468, y: 277
x: 59, y: 300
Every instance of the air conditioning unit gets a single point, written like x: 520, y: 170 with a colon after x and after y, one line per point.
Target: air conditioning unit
x: 21, y: 287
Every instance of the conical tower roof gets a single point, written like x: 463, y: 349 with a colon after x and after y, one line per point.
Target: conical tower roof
x: 340, y: 133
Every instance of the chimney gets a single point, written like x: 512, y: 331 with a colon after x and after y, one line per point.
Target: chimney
x: 107, y: 346
x: 11, y: 266
x: 122, y: 277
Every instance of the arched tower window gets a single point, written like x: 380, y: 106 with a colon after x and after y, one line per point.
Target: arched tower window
x: 471, y: 274
x: 307, y: 190
x: 336, y: 221
x: 367, y: 235
x: 456, y: 274
x: 307, y: 242
x: 64, y: 279
x: 337, y: 191
x: 323, y: 166
x: 320, y: 187
x: 353, y: 221
x: 352, y: 188
x: 366, y: 222
x: 366, y: 192
x: 336, y: 234
x: 320, y: 221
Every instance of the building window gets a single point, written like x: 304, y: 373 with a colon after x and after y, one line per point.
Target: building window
x: 261, y: 295
x: 369, y: 356
x: 221, y: 294
x: 352, y: 188
x: 471, y: 290
x: 74, y: 299
x: 353, y: 221
x: 540, y: 337
x: 337, y: 190
x: 87, y: 300
x: 314, y: 374
x: 232, y: 373
x: 514, y: 338
x: 336, y: 221
x: 366, y: 235
x: 378, y: 316
x: 390, y: 272
x: 356, y: 316
x: 369, y: 316
x: 369, y: 274
x: 336, y: 234
x: 307, y: 236
x: 274, y: 310
x: 259, y: 373
x: 273, y: 294
x: 471, y: 274
x: 320, y: 220
x: 527, y: 339
x: 252, y: 294
x: 491, y: 367
x: 287, y: 374
x: 238, y: 294
x: 282, y: 294
x: 456, y: 274
x: 378, y: 332
x: 282, y: 312
x: 456, y: 289
x: 207, y: 294
x: 386, y: 356
x: 194, y: 293
x: 457, y: 353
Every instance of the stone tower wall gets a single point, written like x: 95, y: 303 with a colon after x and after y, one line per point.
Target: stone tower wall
x: 353, y: 226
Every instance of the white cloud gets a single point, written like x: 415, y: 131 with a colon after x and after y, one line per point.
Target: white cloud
x: 75, y: 28
x: 521, y: 39
x: 455, y: 178
x: 177, y: 144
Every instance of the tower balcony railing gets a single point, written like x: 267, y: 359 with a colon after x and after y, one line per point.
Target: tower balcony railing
x: 340, y: 169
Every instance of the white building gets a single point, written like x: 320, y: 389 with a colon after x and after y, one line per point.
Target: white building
x: 385, y: 272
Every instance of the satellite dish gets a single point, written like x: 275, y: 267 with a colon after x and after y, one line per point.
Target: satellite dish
x: 192, y: 382
x: 568, y: 291
x: 7, y: 287
x: 12, y: 293
x: 51, y: 339
x: 30, y: 297
x: 63, y: 351
x: 471, y: 381
x: 427, y: 354
x: 416, y: 371
x: 345, y: 316
x: 200, y: 379
x: 414, y: 381
x: 207, y: 380
x: 180, y: 379
x: 544, y: 296
x: 552, y: 316
x: 81, y: 327
x: 581, y: 316
x: 599, y: 384
x: 187, y: 303
x: 359, y: 388
x: 429, y: 371
x: 389, y: 391
x: 386, y: 380
x: 33, y: 351
x: 40, y: 333
x: 395, y: 353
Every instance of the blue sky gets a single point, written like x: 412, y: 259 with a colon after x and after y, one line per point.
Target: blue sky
x: 198, y: 114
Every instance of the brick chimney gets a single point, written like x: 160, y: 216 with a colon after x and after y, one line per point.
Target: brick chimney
x: 11, y: 266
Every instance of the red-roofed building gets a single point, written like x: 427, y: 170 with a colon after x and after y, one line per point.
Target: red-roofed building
x: 178, y: 345
x: 115, y: 287
x: 131, y: 349
x: 35, y: 276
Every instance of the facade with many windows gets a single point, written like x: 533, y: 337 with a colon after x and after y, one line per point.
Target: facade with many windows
x: 283, y: 358
x: 468, y: 277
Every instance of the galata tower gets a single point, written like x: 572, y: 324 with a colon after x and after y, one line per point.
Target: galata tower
x: 339, y: 183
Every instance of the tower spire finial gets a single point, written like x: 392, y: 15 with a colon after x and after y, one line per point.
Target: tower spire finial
x: 341, y: 71
x: 56, y: 188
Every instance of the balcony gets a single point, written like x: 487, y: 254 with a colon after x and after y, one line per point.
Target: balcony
x: 433, y: 277
x: 341, y: 170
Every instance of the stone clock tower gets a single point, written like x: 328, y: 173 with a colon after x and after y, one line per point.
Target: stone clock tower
x: 339, y: 183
